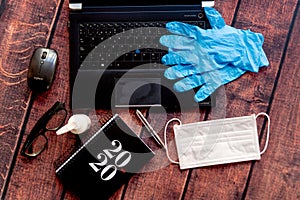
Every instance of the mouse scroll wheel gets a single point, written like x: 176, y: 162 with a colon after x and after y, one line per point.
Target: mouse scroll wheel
x: 44, y: 55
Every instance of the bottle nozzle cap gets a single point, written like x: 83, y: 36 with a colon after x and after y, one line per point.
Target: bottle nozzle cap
x: 77, y: 124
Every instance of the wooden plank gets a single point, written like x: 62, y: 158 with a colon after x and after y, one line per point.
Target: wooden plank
x: 37, y: 172
x: 35, y: 178
x: 24, y: 26
x: 249, y: 94
x: 277, y: 175
x: 162, y: 180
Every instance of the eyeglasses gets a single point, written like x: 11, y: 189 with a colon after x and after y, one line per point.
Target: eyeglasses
x: 52, y: 120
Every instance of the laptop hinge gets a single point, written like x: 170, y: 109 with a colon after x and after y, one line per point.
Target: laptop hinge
x: 75, y: 6
x: 208, y: 3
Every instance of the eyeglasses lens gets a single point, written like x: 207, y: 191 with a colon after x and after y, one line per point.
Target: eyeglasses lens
x: 37, y: 146
x: 56, y: 120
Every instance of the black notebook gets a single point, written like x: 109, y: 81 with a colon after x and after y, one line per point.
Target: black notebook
x: 105, y: 162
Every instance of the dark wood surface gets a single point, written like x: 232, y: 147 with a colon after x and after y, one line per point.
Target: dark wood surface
x: 26, y: 25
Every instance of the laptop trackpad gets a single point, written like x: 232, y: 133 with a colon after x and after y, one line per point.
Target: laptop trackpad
x: 137, y: 92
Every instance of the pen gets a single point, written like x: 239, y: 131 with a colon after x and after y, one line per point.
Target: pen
x: 149, y: 128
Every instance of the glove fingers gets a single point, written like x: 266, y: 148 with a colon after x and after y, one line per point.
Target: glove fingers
x: 263, y: 59
x: 186, y: 57
x: 223, y: 75
x: 205, y: 91
x: 183, y: 29
x: 179, y: 71
x: 172, y: 59
x: 198, y: 64
x: 176, y: 41
x: 188, y: 83
x: 215, y: 79
x: 214, y: 17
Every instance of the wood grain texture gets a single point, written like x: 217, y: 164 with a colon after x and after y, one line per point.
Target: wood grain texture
x: 276, y: 176
x: 35, y: 178
x: 161, y: 179
x: 247, y: 95
x: 24, y: 25
x: 279, y: 169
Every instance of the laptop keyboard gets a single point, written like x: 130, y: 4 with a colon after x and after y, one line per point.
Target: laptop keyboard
x: 92, y: 34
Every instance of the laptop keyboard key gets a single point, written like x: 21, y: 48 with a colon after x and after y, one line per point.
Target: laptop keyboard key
x: 92, y: 34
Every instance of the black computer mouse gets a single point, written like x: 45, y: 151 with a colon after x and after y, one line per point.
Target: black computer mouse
x: 41, y: 69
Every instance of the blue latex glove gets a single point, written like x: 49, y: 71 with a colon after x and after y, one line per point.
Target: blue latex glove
x: 209, y: 81
x: 223, y: 44
x: 210, y: 58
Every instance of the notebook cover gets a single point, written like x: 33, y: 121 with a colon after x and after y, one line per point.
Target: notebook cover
x: 105, y: 162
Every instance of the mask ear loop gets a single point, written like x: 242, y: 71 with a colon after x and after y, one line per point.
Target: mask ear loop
x: 165, y: 138
x: 268, y: 131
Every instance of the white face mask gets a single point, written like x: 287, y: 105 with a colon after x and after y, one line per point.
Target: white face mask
x: 217, y: 141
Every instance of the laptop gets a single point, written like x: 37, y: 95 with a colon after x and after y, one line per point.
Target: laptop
x: 115, y: 54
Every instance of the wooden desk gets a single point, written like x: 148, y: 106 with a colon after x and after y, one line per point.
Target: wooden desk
x: 26, y: 25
